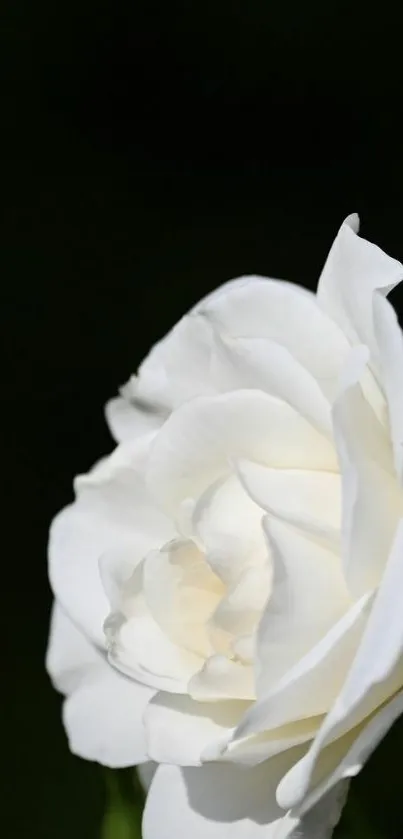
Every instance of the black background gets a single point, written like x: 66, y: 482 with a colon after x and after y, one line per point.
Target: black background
x: 151, y: 151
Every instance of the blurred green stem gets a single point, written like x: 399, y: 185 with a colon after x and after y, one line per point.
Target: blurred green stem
x: 125, y: 802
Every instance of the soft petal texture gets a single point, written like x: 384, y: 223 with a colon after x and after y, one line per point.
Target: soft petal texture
x: 103, y: 710
x: 240, y: 610
x: 182, y: 593
x: 390, y: 350
x: 308, y: 597
x: 222, y: 678
x: 266, y: 365
x: 209, y: 803
x: 121, y: 569
x: 310, y: 687
x: 287, y: 329
x: 372, y: 502
x: 69, y: 653
x: 112, y: 510
x: 310, y: 500
x: 186, y: 358
x: 321, y: 819
x: 196, y: 444
x: 127, y: 421
x: 286, y: 314
x: 375, y: 675
x: 176, y: 369
x: 226, y: 524
x: 137, y: 644
x: 343, y: 758
x: 180, y: 729
x: 354, y: 270
x: 257, y: 748
x: 141, y: 650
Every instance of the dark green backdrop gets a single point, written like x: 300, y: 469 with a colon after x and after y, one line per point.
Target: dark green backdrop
x: 152, y: 150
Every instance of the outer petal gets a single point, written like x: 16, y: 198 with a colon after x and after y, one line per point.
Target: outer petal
x: 180, y: 729
x: 283, y: 313
x: 196, y: 444
x: 344, y: 758
x: 354, y: 269
x: 216, y: 802
x: 372, y: 499
x: 186, y: 357
x: 69, y: 654
x: 390, y: 349
x: 181, y: 366
x: 310, y: 687
x: 375, y: 676
x: 266, y: 365
x: 258, y: 748
x: 112, y: 510
x: 127, y: 421
x: 103, y: 712
x: 321, y: 819
x: 308, y: 597
x: 176, y: 369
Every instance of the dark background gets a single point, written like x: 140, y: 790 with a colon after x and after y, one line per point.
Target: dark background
x: 151, y: 151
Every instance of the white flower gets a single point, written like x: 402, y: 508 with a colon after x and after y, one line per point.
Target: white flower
x: 244, y: 543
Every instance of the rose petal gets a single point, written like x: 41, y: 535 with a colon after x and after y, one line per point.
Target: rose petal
x: 176, y: 369
x: 342, y: 759
x: 137, y: 644
x: 221, y: 678
x: 112, y: 510
x: 182, y: 593
x: 354, y: 269
x: 216, y: 802
x: 390, y: 348
x: 257, y: 748
x: 372, y: 500
x: 375, y: 674
x: 196, y: 444
x: 233, y: 803
x: 308, y: 597
x: 311, y: 686
x: 127, y: 421
x: 320, y: 820
x: 239, y: 611
x: 283, y: 313
x: 103, y: 712
x: 309, y: 500
x: 179, y: 729
x: 69, y: 653
x: 226, y: 524
x: 265, y: 365
x: 140, y: 649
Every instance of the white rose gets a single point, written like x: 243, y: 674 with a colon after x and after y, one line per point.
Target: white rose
x: 248, y: 531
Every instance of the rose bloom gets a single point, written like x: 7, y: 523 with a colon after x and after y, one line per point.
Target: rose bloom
x: 228, y: 582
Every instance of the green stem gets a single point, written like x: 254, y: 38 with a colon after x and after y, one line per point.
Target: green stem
x: 125, y: 799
